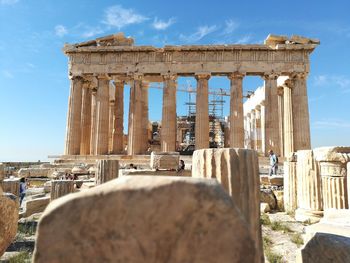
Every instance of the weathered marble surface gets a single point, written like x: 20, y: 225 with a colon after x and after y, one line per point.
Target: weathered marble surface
x: 154, y: 219
x: 9, y: 208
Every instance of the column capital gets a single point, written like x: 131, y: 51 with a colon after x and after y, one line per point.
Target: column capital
x: 270, y: 76
x: 136, y: 76
x: 102, y: 76
x: 169, y: 76
x: 299, y: 75
x: 75, y: 77
x: 236, y: 75
x: 258, y: 107
x: 202, y: 75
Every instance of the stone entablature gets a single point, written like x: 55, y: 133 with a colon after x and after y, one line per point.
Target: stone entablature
x: 187, y: 60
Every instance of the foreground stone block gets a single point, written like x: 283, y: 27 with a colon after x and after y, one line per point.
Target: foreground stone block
x: 106, y: 170
x: 9, y: 208
x: 37, y: 205
x: 238, y: 172
x: 145, y: 219
x: 165, y: 160
x: 324, y: 248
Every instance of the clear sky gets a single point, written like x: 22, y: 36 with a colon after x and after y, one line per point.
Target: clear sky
x: 33, y: 70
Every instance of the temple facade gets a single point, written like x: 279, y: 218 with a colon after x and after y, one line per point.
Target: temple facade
x: 99, y: 69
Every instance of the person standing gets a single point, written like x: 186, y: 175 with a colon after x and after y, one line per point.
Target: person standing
x: 22, y: 190
x: 273, y: 163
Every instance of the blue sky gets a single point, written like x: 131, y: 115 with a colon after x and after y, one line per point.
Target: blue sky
x: 33, y: 70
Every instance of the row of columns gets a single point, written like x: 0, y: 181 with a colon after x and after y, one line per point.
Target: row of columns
x: 95, y: 119
x: 281, y: 121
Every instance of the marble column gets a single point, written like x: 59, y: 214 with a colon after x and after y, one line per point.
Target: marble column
x: 257, y: 128
x: 168, y: 132
x: 111, y: 124
x: 290, y: 184
x: 135, y: 117
x: 301, y: 124
x: 334, y: 185
x: 118, y: 131
x: 236, y: 111
x: 102, y: 115
x: 248, y: 139
x: 271, y: 114
x: 288, y: 121
x: 93, y: 122
x: 145, y: 118
x: 309, y: 190
x: 238, y: 172
x: 86, y: 120
x: 202, y: 112
x: 264, y: 148
x: 280, y: 119
x: 252, y: 129
x: 73, y: 132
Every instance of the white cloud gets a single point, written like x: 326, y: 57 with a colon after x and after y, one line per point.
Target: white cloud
x: 230, y: 26
x: 161, y: 25
x: 93, y: 31
x: 331, y: 124
x: 343, y: 82
x: 244, y: 40
x: 201, y: 32
x: 7, y: 74
x: 60, y: 31
x: 119, y: 17
x: 8, y: 2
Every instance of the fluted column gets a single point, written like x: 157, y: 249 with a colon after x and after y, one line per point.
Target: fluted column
x: 280, y: 99
x: 238, y: 172
x: 102, y: 115
x: 257, y: 128
x: 73, y: 132
x: 118, y: 131
x: 300, y: 106
x: 236, y: 111
x: 145, y: 117
x: 334, y: 185
x: 86, y: 120
x: 262, y: 125
x: 271, y: 114
x: 168, y: 132
x: 248, y: 139
x: 288, y: 121
x: 253, y: 129
x: 93, y: 122
x: 135, y: 116
x: 309, y: 188
x: 202, y: 112
x: 111, y: 124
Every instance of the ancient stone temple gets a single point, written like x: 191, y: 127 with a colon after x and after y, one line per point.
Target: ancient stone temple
x: 97, y: 67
